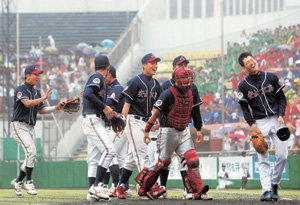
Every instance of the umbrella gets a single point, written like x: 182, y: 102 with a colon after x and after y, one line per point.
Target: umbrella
x: 107, y: 43
x: 89, y: 51
x: 82, y: 45
x: 237, y: 136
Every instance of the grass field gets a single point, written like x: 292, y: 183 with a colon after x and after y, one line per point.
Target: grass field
x: 63, y: 196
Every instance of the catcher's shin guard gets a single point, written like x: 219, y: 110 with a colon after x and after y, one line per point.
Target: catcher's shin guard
x: 193, y: 181
x: 147, y: 178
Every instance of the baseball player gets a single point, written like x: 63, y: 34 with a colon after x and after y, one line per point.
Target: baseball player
x: 179, y: 61
x: 95, y: 111
x: 177, y: 104
x: 224, y: 183
x: 263, y: 104
x: 114, y: 90
x: 140, y: 94
x: 27, y: 103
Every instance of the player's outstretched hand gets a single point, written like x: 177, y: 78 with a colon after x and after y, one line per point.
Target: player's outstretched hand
x: 199, y: 137
x: 147, y: 138
x: 108, y: 112
x: 48, y: 93
x: 254, y: 128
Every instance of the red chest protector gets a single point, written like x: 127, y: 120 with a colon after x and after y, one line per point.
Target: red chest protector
x: 180, y: 113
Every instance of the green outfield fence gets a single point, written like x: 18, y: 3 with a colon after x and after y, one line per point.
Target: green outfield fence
x: 73, y: 174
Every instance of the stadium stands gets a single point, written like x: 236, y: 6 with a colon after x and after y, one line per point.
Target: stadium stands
x: 69, y: 29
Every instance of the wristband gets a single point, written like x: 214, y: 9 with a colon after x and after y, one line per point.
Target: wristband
x: 148, y: 126
x: 49, y: 109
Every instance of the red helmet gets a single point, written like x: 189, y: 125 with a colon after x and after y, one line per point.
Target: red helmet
x: 183, y: 78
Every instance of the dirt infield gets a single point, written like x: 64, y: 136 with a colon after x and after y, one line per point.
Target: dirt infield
x: 226, y: 197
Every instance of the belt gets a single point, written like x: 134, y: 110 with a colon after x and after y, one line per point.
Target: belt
x: 145, y: 119
x: 95, y: 115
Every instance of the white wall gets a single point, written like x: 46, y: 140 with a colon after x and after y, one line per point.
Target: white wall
x: 163, y: 35
x: 45, y: 6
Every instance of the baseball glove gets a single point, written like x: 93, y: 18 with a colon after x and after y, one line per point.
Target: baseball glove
x: 118, y: 122
x: 259, y: 143
x: 71, y: 105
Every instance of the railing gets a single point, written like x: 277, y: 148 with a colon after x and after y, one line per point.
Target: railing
x: 128, y: 39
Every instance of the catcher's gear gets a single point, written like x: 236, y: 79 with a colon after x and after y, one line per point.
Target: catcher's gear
x: 71, y: 105
x: 259, y: 143
x: 180, y: 113
x: 183, y: 78
x: 118, y: 122
x: 283, y: 132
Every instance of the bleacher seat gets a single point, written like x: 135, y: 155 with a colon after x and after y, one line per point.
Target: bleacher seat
x: 69, y: 29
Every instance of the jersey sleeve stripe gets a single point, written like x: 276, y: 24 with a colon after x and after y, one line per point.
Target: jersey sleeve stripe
x: 200, y: 103
x: 113, y: 99
x: 280, y: 88
x: 157, y: 108
x: 127, y: 95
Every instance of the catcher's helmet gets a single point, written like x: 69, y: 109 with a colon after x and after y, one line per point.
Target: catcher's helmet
x: 283, y: 132
x: 183, y: 78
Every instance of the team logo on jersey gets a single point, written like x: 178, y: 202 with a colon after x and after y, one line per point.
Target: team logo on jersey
x: 19, y: 95
x: 96, y: 80
x: 158, y: 103
x: 113, y: 95
x: 240, y: 95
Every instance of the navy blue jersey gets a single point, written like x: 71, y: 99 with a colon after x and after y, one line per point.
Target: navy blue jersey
x: 94, y: 96
x: 113, y: 96
x: 166, y: 85
x: 22, y: 113
x: 165, y: 103
x: 141, y: 92
x: 260, y: 96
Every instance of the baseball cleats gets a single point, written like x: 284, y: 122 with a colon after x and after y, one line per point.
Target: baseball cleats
x: 17, y: 187
x: 128, y: 193
x: 157, y: 191
x: 92, y: 198
x: 121, y: 192
x: 30, y: 188
x: 205, y: 197
x: 275, y: 195
x: 111, y: 192
x: 266, y: 196
x: 187, y: 196
x: 165, y: 195
x: 98, y: 192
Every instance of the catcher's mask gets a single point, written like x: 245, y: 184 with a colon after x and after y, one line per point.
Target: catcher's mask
x: 283, y: 132
x: 183, y: 78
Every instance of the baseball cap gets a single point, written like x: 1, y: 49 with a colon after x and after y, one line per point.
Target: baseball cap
x: 179, y: 59
x: 112, y: 70
x: 101, y: 61
x: 149, y: 58
x: 32, y: 69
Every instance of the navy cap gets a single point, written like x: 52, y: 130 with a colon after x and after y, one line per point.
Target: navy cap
x: 112, y: 71
x: 180, y: 59
x: 101, y: 61
x: 32, y: 69
x: 149, y: 58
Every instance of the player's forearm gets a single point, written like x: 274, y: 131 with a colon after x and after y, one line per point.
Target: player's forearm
x: 247, y: 115
x: 125, y: 109
x: 281, y: 100
x: 151, y: 121
x: 196, y: 115
x: 31, y: 103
